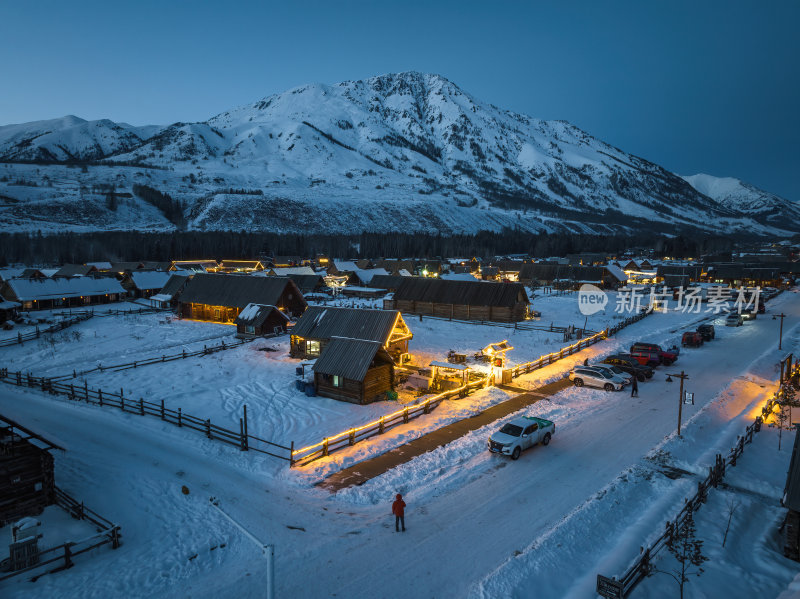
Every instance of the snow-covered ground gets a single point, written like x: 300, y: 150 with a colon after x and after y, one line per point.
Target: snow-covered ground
x: 477, y: 523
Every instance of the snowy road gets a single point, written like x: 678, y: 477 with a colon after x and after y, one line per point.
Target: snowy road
x: 468, y: 511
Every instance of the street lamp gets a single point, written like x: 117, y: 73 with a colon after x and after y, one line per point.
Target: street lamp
x: 681, y: 376
x: 780, y: 337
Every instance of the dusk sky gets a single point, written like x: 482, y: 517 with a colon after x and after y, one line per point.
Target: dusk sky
x: 708, y: 87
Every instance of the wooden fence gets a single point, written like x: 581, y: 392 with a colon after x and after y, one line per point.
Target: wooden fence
x: 241, y: 438
x: 108, y: 533
x: 378, y: 427
x: 53, y: 328
x: 118, y: 312
x: 154, y: 360
x: 642, y: 566
x: 352, y: 436
x: 519, y: 325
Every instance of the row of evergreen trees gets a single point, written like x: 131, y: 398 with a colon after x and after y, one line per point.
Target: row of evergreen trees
x: 60, y: 248
x: 172, y: 209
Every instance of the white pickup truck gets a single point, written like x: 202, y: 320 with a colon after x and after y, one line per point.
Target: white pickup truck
x: 521, y: 433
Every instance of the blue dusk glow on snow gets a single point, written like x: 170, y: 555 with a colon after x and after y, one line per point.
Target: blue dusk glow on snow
x: 698, y: 87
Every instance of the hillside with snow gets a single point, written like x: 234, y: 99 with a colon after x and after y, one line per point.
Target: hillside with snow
x: 399, y: 152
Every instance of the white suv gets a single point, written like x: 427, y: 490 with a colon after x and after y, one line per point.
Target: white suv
x: 585, y: 375
x: 614, y: 371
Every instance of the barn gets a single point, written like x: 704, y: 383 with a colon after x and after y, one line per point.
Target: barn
x: 354, y: 370
x: 43, y: 294
x: 463, y: 300
x: 220, y: 297
x: 258, y: 320
x: 319, y: 324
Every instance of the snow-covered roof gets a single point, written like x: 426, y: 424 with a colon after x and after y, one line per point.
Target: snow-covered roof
x: 366, y: 275
x: 345, y: 265
x: 293, y: 270
x: 100, y: 265
x: 404, y: 273
x: 161, y: 297
x: 449, y: 366
x: 10, y: 273
x: 44, y: 289
x: 616, y: 272
x: 8, y: 304
x: 150, y: 279
x: 458, y: 276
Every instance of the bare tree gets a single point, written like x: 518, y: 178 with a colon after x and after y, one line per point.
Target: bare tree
x: 687, y: 550
x: 733, y: 505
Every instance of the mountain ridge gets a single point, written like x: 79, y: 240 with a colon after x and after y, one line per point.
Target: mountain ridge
x: 415, y: 145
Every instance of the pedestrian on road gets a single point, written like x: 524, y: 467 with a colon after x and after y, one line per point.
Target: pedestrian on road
x: 586, y: 362
x: 634, y: 387
x: 398, y: 509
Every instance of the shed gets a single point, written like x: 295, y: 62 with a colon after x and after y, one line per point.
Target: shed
x: 8, y: 310
x: 464, y: 300
x: 220, y: 297
x: 319, y: 324
x: 258, y: 320
x: 354, y: 370
x: 446, y: 376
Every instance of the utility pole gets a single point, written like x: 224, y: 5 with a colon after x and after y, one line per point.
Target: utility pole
x: 267, y: 550
x: 780, y: 337
x: 683, y: 377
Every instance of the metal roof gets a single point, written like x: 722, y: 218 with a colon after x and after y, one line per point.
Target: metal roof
x: 477, y: 293
x: 349, y: 358
x: 550, y: 272
x: 307, y: 282
x: 174, y: 284
x: 45, y: 289
x: 236, y: 291
x: 320, y: 322
x: 74, y: 270
x: 386, y: 281
x: 255, y: 315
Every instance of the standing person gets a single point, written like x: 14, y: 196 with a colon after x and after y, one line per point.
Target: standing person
x: 586, y: 362
x: 398, y: 509
x: 634, y: 387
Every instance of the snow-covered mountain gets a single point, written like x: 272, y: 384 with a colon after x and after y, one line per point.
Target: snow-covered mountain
x: 404, y: 152
x: 765, y: 207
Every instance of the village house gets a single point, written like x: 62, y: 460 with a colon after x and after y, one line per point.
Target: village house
x: 220, y: 297
x: 8, y: 310
x: 354, y: 370
x: 572, y: 277
x: 462, y: 300
x: 258, y: 320
x: 75, y: 270
x: 386, y: 282
x: 319, y: 324
x: 309, y: 283
x: 194, y: 265
x: 43, y: 294
x: 171, y: 291
x: 240, y: 266
x: 145, y: 283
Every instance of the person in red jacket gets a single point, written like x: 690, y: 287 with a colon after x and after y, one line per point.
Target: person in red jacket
x: 398, y: 509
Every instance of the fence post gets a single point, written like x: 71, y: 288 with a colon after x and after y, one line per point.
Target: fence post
x: 100, y: 396
x: 115, y: 538
x: 72, y: 392
x: 405, y: 414
x: 241, y: 435
x: 86, y: 391
x: 179, y: 417
x: 67, y: 555
x: 352, y: 437
x: 121, y: 401
x: 381, y: 427
x: 246, y: 434
x: 325, y: 446
x: 291, y: 454
x: 141, y: 406
x: 208, y: 428
x: 162, y: 409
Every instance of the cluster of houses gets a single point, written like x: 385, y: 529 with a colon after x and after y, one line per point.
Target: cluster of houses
x: 355, y: 350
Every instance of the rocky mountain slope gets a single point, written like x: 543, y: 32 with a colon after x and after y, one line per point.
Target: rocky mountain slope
x: 399, y: 152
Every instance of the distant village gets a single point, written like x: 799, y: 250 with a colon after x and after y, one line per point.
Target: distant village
x: 350, y: 316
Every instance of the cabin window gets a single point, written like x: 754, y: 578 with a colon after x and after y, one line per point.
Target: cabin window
x: 312, y: 348
x: 216, y: 314
x: 250, y: 329
x: 337, y: 380
x: 27, y: 305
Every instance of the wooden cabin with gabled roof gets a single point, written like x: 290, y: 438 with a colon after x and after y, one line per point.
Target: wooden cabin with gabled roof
x: 354, y: 370
x: 220, y: 297
x: 258, y: 320
x: 319, y: 324
x: 240, y: 266
x: 461, y: 300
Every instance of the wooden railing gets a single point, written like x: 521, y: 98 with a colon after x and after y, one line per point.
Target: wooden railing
x: 53, y: 328
x: 108, y: 533
x: 642, y: 565
x: 241, y: 438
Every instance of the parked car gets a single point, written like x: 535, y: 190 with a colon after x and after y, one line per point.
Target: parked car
x: 630, y: 365
x: 664, y: 356
x: 733, y: 320
x: 520, y: 434
x: 625, y: 377
x: 692, y: 339
x: 749, y: 314
x: 585, y: 375
x: 707, y: 331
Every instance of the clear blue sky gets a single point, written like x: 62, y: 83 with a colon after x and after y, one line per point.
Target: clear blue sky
x: 695, y: 86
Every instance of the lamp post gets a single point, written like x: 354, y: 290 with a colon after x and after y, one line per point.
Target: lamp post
x: 780, y: 336
x: 681, y: 376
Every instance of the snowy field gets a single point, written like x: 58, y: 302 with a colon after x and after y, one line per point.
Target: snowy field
x: 478, y: 524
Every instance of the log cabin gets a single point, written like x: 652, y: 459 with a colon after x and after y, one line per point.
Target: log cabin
x: 220, y: 297
x: 354, y: 370
x: 258, y: 320
x: 462, y: 300
x: 44, y: 294
x: 169, y: 294
x: 319, y: 324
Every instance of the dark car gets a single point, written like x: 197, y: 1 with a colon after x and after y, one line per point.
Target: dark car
x: 665, y: 357
x: 692, y: 339
x: 707, y: 331
x: 630, y: 365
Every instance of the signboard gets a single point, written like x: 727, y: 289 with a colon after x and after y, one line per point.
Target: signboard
x: 688, y: 398
x: 608, y: 587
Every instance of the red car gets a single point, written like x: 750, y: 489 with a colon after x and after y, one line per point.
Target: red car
x: 692, y: 339
x: 652, y: 354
